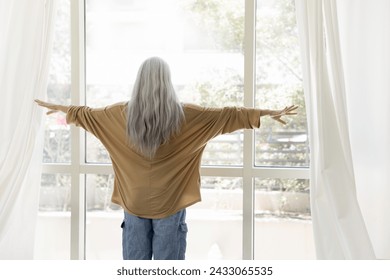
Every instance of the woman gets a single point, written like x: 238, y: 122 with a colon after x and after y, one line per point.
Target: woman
x: 155, y: 144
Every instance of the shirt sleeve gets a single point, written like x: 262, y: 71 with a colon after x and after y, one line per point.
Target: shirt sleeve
x: 91, y: 119
x: 234, y: 118
x: 216, y: 121
x: 98, y: 121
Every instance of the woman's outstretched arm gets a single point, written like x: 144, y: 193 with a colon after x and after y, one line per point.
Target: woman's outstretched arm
x: 53, y: 108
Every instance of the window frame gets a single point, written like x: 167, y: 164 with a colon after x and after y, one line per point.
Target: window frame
x: 78, y: 167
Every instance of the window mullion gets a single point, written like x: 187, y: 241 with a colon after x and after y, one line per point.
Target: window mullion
x: 77, y: 91
x: 249, y: 90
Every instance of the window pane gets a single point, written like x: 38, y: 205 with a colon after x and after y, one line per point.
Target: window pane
x: 215, y: 224
x: 55, y: 193
x: 57, y: 133
x: 200, y: 40
x: 283, y: 228
x: 103, y: 219
x: 279, y: 84
x: 282, y: 198
x: 52, y: 238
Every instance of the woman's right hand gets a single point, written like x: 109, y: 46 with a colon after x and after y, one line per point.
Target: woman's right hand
x: 53, y: 108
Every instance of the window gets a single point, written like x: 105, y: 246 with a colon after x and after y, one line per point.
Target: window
x: 211, y: 59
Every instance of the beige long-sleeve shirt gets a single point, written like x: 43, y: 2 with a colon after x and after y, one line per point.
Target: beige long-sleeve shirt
x: 159, y: 187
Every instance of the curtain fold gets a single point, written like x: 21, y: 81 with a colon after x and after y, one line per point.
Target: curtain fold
x: 26, y: 34
x: 339, y: 228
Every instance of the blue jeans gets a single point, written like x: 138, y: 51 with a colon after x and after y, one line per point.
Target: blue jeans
x: 162, y: 239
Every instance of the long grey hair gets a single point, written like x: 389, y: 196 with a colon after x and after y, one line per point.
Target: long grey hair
x: 154, y: 111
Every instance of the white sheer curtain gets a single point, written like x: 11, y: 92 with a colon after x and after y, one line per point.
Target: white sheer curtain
x: 365, y: 44
x: 25, y: 39
x: 339, y: 228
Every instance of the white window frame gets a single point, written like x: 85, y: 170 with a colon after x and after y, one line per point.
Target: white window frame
x: 78, y: 167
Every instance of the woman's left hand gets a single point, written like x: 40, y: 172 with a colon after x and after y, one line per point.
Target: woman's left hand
x: 288, y: 111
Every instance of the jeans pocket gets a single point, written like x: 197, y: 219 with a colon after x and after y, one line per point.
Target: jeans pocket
x: 183, y: 227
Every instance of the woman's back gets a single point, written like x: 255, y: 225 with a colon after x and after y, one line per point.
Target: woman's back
x: 159, y: 186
